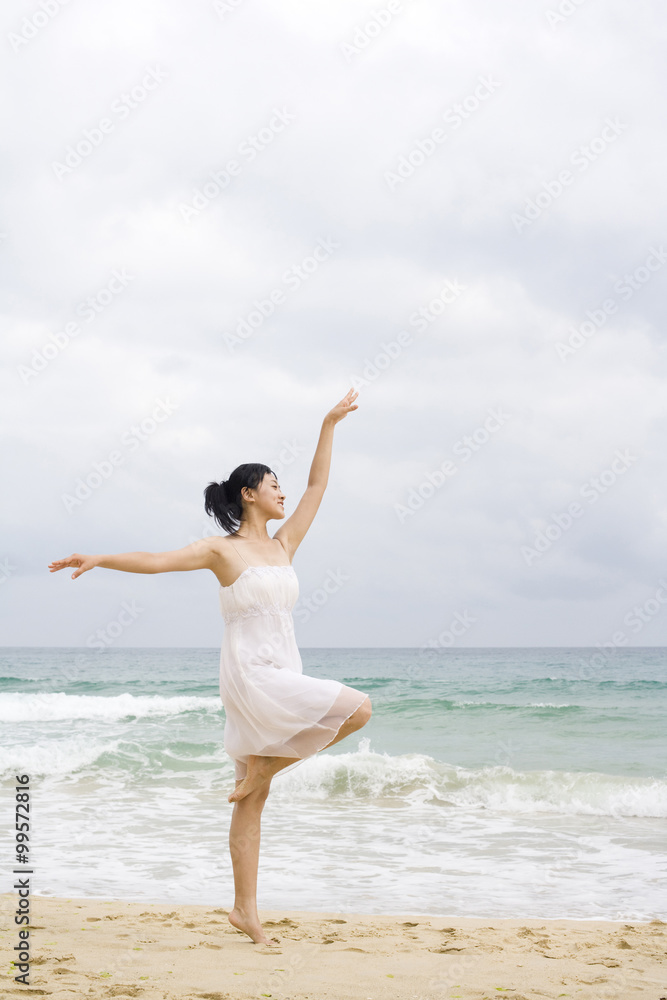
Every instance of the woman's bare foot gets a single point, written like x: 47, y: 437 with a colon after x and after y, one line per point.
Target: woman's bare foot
x: 260, y: 770
x: 251, y: 927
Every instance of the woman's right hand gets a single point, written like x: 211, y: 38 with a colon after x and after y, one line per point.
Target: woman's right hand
x: 83, y: 563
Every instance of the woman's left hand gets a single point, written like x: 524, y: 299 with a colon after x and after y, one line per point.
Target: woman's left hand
x: 342, y: 409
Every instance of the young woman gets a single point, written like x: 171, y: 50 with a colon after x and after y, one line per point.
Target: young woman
x: 275, y: 716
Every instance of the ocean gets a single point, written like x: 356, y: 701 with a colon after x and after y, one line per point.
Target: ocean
x: 488, y: 783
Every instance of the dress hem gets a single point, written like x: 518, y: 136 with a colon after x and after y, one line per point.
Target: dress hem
x: 299, y: 760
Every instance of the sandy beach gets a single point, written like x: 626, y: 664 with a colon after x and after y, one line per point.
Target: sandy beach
x: 96, y: 948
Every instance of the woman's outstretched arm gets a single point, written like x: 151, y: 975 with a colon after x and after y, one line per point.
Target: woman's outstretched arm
x: 292, y: 531
x: 198, y: 555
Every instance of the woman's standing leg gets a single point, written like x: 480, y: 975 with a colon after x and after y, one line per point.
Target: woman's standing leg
x: 245, y: 829
x: 244, y: 839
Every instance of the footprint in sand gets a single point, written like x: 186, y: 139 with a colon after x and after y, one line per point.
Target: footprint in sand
x: 33, y: 992
x: 212, y: 996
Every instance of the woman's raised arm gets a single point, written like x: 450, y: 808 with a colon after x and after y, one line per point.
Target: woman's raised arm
x: 292, y: 531
x: 198, y: 555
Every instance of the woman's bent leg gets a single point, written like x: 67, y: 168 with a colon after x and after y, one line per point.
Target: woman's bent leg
x: 244, y: 839
x: 356, y: 721
x: 261, y: 769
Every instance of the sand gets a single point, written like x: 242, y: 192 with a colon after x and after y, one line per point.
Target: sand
x: 92, y: 948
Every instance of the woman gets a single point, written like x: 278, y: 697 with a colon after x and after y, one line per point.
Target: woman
x: 275, y: 715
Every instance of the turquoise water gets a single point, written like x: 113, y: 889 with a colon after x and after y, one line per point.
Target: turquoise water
x: 489, y: 782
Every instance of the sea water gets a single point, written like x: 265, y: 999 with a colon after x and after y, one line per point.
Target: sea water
x: 488, y: 783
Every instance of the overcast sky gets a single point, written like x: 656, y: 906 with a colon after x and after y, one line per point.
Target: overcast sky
x: 217, y: 217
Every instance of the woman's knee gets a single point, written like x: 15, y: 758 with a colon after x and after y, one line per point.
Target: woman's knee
x: 363, y: 713
x: 261, y: 794
x: 256, y: 798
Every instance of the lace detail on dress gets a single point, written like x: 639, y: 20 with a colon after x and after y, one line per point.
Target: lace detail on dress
x: 264, y: 609
x: 260, y: 568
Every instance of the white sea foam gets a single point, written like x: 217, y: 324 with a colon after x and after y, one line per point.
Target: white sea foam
x: 381, y: 778
x: 54, y: 706
x: 549, y: 704
x: 365, y: 774
x: 589, y: 793
x: 412, y: 779
x: 58, y: 757
x: 508, y: 704
x: 418, y: 778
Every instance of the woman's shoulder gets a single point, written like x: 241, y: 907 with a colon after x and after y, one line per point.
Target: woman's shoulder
x: 220, y: 544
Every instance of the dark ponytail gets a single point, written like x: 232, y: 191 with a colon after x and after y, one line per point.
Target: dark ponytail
x: 223, y: 501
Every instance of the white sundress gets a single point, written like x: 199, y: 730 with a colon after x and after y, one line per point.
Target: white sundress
x: 271, y: 707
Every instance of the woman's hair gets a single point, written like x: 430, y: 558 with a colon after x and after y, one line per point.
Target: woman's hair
x: 222, y: 501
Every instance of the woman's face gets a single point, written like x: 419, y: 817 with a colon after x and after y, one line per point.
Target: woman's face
x: 269, y: 497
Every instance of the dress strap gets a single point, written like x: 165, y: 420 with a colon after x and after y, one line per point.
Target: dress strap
x: 244, y: 560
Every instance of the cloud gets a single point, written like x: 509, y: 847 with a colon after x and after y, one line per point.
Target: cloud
x: 117, y: 298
